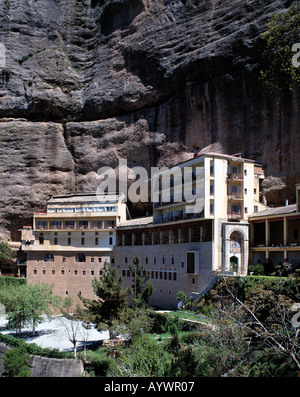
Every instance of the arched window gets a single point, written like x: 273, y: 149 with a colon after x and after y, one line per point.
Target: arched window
x: 235, y: 243
x: 49, y: 258
x: 80, y: 258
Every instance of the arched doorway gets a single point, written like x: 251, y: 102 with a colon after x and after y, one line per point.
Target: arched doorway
x: 235, y: 251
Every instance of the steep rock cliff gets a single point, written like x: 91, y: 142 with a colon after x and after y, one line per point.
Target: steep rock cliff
x: 93, y: 81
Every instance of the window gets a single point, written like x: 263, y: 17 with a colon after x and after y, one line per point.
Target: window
x: 82, y: 241
x: 41, y: 239
x: 55, y: 240
x: 69, y: 240
x: 97, y: 224
x: 234, y: 189
x: 172, y: 260
x: 42, y: 225
x: 255, y: 209
x: 44, y: 271
x: 75, y: 272
x: 69, y: 225
x: 190, y: 262
x: 49, y: 258
x: 56, y: 224
x: 34, y: 271
x: 53, y: 271
x: 96, y: 241
x: 64, y: 259
x: 62, y: 271
x: 83, y: 224
x: 80, y: 258
x: 110, y: 241
x: 92, y: 260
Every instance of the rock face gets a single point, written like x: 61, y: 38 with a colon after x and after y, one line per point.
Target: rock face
x: 87, y: 82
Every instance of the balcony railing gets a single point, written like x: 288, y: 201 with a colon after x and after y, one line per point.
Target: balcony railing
x: 235, y: 215
x: 235, y: 196
x: 235, y: 176
x: 75, y: 227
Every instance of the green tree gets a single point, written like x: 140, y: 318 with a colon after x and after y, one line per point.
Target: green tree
x: 142, y: 287
x: 113, y: 298
x: 16, y: 361
x: 144, y: 358
x: 133, y: 322
x: 6, y: 252
x: 278, y: 72
x: 26, y: 303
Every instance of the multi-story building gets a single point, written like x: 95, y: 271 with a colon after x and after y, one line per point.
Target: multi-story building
x: 68, y: 244
x: 199, y: 225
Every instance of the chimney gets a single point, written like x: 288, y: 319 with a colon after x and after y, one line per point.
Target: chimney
x: 286, y: 202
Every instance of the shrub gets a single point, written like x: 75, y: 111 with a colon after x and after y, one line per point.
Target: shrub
x: 259, y: 269
x: 16, y: 362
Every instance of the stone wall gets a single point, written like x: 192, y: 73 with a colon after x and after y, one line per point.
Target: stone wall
x: 48, y: 367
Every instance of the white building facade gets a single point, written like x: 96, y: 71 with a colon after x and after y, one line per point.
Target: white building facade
x: 199, y: 225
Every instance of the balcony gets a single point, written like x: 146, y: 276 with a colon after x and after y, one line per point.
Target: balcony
x: 236, y: 196
x: 237, y: 177
x: 235, y: 215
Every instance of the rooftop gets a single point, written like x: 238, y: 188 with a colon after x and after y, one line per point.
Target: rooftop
x: 287, y: 209
x: 234, y: 157
x: 83, y: 198
x: 136, y: 222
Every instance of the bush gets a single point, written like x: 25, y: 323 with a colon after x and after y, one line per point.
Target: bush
x: 32, y: 348
x: 16, y: 362
x: 259, y: 269
x: 8, y: 280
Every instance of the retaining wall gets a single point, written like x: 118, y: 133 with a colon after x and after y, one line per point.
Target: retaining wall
x: 48, y: 367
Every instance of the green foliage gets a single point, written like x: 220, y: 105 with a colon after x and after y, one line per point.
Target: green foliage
x: 6, y: 252
x: 112, y: 298
x: 133, y: 322
x: 259, y: 269
x: 32, y: 348
x: 278, y: 73
x: 142, y: 287
x: 144, y: 358
x: 9, y: 280
x: 25, y: 303
x: 16, y: 361
x: 173, y: 325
